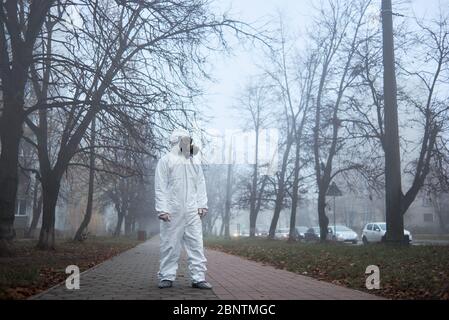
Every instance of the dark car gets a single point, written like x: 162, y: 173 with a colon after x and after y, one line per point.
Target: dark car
x: 282, y: 234
x: 313, y: 234
x: 300, y: 232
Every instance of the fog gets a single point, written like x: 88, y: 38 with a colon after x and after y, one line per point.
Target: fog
x: 304, y: 78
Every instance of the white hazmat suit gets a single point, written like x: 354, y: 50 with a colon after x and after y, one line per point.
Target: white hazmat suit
x: 180, y: 190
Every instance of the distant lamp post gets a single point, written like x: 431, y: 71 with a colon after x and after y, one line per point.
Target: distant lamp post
x: 334, y: 192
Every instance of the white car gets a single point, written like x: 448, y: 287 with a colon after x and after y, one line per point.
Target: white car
x: 242, y: 234
x: 282, y: 234
x: 374, y: 231
x: 344, y: 234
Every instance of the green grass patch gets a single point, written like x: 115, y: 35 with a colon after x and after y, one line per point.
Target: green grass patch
x: 443, y: 237
x: 414, y: 272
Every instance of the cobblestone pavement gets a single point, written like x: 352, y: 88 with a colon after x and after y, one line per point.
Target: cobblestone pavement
x: 133, y: 275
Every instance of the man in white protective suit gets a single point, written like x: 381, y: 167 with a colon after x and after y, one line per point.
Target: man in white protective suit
x: 181, y: 203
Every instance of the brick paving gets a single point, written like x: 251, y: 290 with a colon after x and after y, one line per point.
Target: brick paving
x: 235, y: 278
x: 132, y: 275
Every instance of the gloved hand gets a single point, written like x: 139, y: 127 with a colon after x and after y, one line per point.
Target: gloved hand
x: 202, y: 212
x: 164, y: 216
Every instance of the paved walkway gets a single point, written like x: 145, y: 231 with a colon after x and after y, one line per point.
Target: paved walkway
x: 132, y: 275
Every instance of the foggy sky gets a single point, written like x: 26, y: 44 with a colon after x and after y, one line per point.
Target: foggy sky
x: 231, y: 73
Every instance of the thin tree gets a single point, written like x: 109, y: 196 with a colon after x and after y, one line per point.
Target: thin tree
x: 79, y: 236
x: 255, y: 103
x: 339, y: 43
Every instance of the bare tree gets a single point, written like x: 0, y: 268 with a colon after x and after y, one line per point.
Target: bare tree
x: 290, y: 121
x: 433, y: 109
x: 123, y: 64
x: 255, y: 104
x: 421, y: 102
x: 293, y: 88
x: 338, y: 43
x: 20, y: 24
x: 307, y: 82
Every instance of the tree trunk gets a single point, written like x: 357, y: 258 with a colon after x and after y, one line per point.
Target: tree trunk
x: 252, y: 213
x: 323, y: 219
x: 259, y: 199
x: 252, y: 210
x: 10, y: 134
x: 295, y: 196
x: 227, y: 216
x: 120, y: 216
x: 438, y: 208
x: 212, y: 227
x: 133, y: 226
x: 118, y: 228
x: 79, y: 236
x: 393, y: 187
x: 127, y: 226
x: 441, y: 221
x: 278, y: 205
x: 222, y: 227
x: 277, y: 210
x: 37, y: 210
x: 281, y: 189
x: 50, y: 192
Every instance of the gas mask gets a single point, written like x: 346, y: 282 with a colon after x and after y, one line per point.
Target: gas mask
x: 187, y: 147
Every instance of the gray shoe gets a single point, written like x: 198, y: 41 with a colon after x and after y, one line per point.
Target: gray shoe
x: 165, y: 284
x: 202, y: 285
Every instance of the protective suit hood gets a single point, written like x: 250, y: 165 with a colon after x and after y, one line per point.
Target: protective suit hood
x: 175, y: 137
x: 177, y: 134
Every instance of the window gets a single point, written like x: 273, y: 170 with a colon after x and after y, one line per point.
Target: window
x: 370, y: 227
x: 21, y: 208
x: 376, y: 227
x: 427, y: 201
x: 428, y: 217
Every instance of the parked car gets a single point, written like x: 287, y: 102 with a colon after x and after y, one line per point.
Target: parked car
x: 374, y: 232
x: 300, y: 232
x: 344, y: 234
x: 262, y: 233
x: 313, y: 234
x: 242, y: 234
x: 282, y: 234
